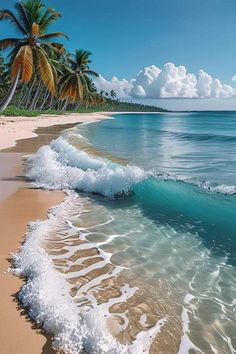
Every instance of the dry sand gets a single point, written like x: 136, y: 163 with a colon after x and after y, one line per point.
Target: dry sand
x: 16, y: 128
x: 19, y: 204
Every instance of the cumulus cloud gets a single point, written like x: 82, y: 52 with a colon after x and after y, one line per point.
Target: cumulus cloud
x: 121, y: 87
x: 169, y: 82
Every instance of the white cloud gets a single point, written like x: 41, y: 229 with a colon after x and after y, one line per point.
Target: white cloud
x: 169, y: 82
x: 121, y: 87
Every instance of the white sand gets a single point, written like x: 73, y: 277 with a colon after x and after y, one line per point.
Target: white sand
x: 16, y: 128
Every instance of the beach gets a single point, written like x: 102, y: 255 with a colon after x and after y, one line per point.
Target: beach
x: 19, y: 204
x: 117, y: 178
x: 120, y: 255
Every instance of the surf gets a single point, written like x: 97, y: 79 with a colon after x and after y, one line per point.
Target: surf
x: 131, y: 234
x: 62, y: 166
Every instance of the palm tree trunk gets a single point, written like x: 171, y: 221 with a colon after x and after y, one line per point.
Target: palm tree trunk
x: 46, y: 96
x: 7, y: 99
x: 51, y: 102
x: 35, y: 96
x: 76, y: 107
x: 38, y: 97
x: 22, y: 94
x: 64, y: 105
x: 28, y: 94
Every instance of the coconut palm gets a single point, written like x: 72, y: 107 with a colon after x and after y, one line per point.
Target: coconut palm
x: 90, y: 94
x: 4, y: 77
x: 113, y: 94
x: 2, y: 65
x: 75, y: 83
x: 29, y: 52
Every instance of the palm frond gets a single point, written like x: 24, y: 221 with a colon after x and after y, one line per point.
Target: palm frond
x: 22, y: 15
x: 60, y: 49
x: 8, y: 43
x: 33, y: 10
x: 14, y: 51
x: 47, y: 19
x: 10, y: 17
x: 90, y: 72
x: 70, y: 89
x: 53, y: 35
x: 82, y: 57
x: 46, y: 15
x: 53, y: 49
x: 46, y: 71
x: 23, y: 62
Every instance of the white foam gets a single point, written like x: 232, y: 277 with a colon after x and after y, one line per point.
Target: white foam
x: 47, y: 298
x: 221, y: 188
x: 145, y: 338
x: 46, y: 295
x: 61, y: 166
x: 186, y: 344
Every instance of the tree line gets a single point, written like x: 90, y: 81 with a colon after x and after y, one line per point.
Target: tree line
x: 39, y: 74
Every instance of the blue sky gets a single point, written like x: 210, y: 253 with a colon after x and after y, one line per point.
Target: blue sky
x: 127, y: 35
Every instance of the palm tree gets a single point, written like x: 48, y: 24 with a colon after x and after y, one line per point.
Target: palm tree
x: 113, y: 94
x: 4, y: 77
x: 2, y: 65
x: 29, y: 52
x: 75, y: 83
x: 90, y: 95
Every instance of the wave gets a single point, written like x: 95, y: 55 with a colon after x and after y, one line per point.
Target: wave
x: 62, y: 166
x: 217, y: 188
x: 199, y: 136
x: 186, y: 206
x: 207, y: 208
x: 160, y: 198
x: 205, y: 185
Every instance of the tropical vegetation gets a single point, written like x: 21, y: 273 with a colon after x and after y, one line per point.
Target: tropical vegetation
x: 38, y: 74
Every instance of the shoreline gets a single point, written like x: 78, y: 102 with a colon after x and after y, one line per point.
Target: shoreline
x: 21, y: 203
x: 13, y: 129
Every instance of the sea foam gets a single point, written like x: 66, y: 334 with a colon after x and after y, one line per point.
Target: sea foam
x: 61, y: 166
x: 46, y: 295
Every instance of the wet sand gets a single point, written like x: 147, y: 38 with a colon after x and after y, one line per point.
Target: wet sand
x: 16, y: 331
x: 13, y: 129
x: 19, y: 204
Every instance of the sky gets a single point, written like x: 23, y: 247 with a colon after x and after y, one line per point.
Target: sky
x: 180, y: 54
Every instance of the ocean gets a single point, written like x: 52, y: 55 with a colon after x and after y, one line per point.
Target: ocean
x: 141, y: 255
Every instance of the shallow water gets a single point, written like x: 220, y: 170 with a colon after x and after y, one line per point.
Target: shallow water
x: 149, y: 250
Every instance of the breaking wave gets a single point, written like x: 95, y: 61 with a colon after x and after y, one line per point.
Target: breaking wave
x: 61, y: 166
x: 162, y: 199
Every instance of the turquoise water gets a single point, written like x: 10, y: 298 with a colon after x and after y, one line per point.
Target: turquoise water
x: 195, y: 146
x: 194, y: 158
x: 161, y: 215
